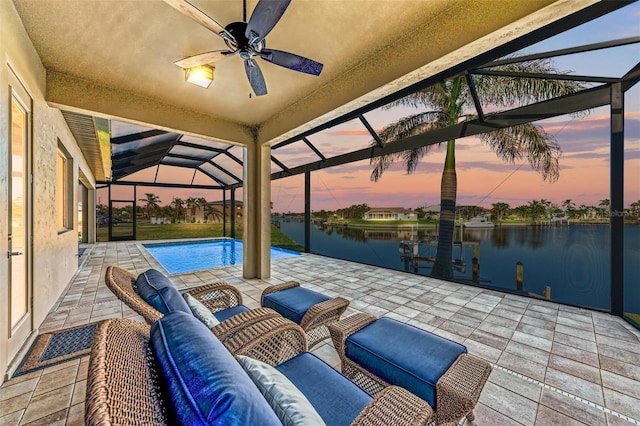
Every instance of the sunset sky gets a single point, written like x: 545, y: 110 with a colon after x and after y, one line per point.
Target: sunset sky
x: 483, y: 179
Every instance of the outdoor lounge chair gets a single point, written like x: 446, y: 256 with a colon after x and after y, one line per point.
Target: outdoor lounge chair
x: 222, y: 299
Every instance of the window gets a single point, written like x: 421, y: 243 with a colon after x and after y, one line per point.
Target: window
x: 64, y: 197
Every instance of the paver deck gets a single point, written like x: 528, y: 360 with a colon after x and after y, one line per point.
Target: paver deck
x: 553, y: 364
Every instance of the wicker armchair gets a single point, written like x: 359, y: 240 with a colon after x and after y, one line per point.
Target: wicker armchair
x: 124, y: 388
x: 216, y: 297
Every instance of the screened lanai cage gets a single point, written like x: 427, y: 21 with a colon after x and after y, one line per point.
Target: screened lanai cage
x: 569, y: 234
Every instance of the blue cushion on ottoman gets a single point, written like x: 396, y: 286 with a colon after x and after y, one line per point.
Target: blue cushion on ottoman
x: 337, y: 399
x: 229, y: 312
x: 294, y: 302
x: 156, y: 289
x: 205, y: 383
x: 403, y: 355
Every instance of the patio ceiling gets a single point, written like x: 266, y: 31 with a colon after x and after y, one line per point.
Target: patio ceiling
x: 114, y: 60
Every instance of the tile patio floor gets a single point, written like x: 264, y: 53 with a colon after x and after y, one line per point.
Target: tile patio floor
x: 553, y: 364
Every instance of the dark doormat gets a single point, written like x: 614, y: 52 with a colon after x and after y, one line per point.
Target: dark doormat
x: 57, y: 347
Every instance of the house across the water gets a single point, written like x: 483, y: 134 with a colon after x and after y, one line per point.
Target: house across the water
x: 390, y: 213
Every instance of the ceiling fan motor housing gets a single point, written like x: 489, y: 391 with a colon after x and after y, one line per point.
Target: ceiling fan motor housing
x: 238, y: 31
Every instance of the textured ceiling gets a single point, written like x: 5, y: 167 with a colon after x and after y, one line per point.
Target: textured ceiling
x: 114, y: 58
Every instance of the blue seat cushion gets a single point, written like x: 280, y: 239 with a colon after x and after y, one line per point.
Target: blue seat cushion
x: 156, y: 289
x: 403, y: 355
x: 337, y: 399
x: 206, y: 385
x: 229, y: 312
x: 294, y: 302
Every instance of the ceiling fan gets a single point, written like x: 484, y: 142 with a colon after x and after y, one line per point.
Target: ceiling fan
x: 248, y: 40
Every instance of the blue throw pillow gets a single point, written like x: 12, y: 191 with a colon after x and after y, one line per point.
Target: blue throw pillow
x: 205, y: 384
x: 156, y: 289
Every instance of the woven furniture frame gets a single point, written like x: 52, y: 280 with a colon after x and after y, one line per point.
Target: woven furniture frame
x: 215, y: 296
x: 315, y: 320
x: 458, y: 390
x: 123, y: 386
x: 117, y: 343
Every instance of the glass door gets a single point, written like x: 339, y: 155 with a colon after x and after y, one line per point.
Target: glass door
x: 19, y: 289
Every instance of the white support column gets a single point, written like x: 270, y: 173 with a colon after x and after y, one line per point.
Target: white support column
x: 257, y: 212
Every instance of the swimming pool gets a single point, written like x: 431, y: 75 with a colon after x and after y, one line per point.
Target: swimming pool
x: 189, y: 256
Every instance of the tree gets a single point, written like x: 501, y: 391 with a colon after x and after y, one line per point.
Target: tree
x: 604, y: 206
x: 521, y: 211
x: 420, y: 212
x: 634, y: 209
x: 178, y: 205
x: 500, y: 210
x: 152, y: 203
x: 569, y: 207
x: 536, y: 209
x: 444, y: 105
x: 355, y: 211
x: 191, y: 206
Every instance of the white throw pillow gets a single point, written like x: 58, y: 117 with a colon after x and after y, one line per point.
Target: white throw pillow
x: 200, y: 311
x: 289, y: 404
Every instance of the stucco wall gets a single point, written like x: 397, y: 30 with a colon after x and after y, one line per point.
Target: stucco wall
x: 53, y: 259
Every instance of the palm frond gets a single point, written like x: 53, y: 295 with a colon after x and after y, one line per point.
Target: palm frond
x: 527, y: 141
x: 405, y: 127
x: 382, y: 163
x: 411, y: 158
x: 509, y: 91
x: 409, y: 126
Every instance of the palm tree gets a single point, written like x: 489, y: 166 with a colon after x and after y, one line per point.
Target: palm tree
x: 152, y: 203
x: 191, y: 206
x: 178, y: 205
x: 604, y: 206
x: 536, y: 209
x: 444, y: 104
x: 569, y: 207
x: 500, y: 210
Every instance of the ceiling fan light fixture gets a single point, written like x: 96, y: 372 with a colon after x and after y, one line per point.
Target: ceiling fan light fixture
x: 201, y: 75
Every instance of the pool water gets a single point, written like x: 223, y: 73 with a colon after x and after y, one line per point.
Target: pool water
x: 179, y: 258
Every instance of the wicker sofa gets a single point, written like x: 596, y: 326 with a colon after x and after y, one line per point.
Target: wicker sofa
x: 177, y: 372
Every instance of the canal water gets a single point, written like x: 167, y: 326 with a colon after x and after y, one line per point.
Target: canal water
x: 572, y: 260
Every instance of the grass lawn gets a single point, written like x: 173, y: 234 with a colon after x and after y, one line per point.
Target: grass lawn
x: 147, y: 231
x: 634, y: 317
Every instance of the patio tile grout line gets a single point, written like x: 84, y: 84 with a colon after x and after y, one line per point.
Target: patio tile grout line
x: 565, y: 393
x: 70, y: 308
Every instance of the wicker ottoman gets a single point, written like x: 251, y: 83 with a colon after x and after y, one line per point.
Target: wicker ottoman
x: 376, y: 353
x: 307, y: 308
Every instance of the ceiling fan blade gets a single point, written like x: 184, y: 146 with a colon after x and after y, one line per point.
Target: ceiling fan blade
x: 203, y: 58
x: 292, y: 61
x: 254, y: 74
x: 265, y: 16
x: 191, y: 11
